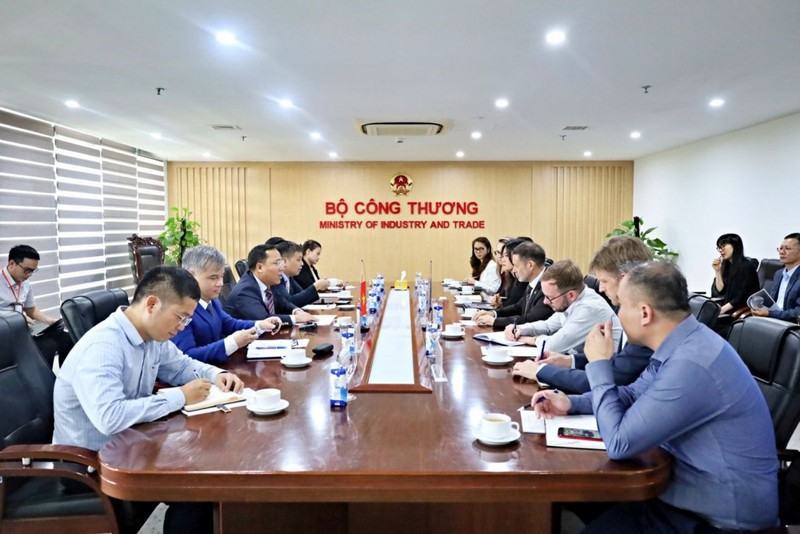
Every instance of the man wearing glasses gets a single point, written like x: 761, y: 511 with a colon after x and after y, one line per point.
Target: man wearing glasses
x: 253, y: 298
x: 16, y: 295
x: 786, y: 287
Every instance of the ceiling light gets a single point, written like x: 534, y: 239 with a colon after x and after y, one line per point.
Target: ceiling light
x: 72, y: 104
x: 476, y: 134
x: 226, y: 38
x: 588, y: 153
x: 716, y: 103
x: 501, y: 103
x: 155, y: 135
x: 556, y: 37
x: 316, y: 136
x: 636, y: 135
x: 285, y: 103
x: 333, y: 155
x: 460, y: 154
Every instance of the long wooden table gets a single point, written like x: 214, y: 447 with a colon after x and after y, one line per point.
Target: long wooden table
x: 389, y: 462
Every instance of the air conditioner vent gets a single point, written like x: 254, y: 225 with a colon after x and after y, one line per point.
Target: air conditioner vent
x: 574, y: 128
x: 402, y: 129
x: 225, y: 127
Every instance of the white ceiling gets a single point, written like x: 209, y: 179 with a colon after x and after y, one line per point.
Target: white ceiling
x: 344, y: 60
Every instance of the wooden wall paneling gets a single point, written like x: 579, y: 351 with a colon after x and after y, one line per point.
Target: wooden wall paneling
x: 543, y: 208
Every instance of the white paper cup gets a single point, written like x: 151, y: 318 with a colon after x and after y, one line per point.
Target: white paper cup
x: 497, y: 425
x: 265, y: 399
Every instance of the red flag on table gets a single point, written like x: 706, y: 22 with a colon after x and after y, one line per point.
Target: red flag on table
x: 362, y: 300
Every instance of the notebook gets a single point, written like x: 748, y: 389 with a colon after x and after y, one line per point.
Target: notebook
x: 273, y: 349
x: 582, y: 422
x: 499, y: 338
x: 760, y: 299
x: 38, y: 328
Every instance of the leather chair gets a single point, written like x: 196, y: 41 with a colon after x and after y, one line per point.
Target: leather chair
x: 228, y: 282
x: 241, y: 268
x: 82, y: 312
x: 144, y: 253
x: 704, y: 309
x: 591, y: 281
x: 32, y: 498
x: 766, y: 272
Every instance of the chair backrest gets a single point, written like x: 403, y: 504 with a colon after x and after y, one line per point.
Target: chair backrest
x: 766, y: 271
x: 82, y: 312
x: 771, y: 350
x: 241, y: 267
x: 228, y: 282
x: 753, y: 262
x: 591, y: 281
x: 704, y: 309
x: 26, y: 386
x: 144, y: 253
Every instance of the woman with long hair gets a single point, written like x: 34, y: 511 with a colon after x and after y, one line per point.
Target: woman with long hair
x: 735, y: 278
x: 308, y: 274
x: 484, y: 268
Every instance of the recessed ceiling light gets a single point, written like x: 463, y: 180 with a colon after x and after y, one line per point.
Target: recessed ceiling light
x: 636, y: 135
x: 460, y: 154
x: 316, y: 136
x: 333, y: 155
x: 72, y: 104
x: 717, y: 102
x: 556, y: 37
x: 501, y: 103
x: 476, y: 134
x: 226, y: 38
x: 285, y: 103
x: 155, y: 135
x: 588, y: 153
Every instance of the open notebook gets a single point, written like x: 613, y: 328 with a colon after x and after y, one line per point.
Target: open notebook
x: 273, y: 349
x: 581, y: 422
x: 216, y: 397
x: 497, y: 337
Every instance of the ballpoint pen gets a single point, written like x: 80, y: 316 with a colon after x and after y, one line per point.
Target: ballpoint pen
x: 541, y: 354
x: 514, y: 330
x: 528, y: 405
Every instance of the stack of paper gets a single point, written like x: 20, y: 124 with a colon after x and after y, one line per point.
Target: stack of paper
x: 312, y: 307
x: 269, y: 349
x: 497, y: 337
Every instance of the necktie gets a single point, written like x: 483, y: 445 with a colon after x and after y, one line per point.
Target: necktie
x: 528, y: 298
x: 288, y: 286
x: 270, y: 301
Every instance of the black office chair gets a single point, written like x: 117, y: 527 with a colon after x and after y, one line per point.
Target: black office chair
x: 32, y: 498
x: 82, y: 312
x: 704, y: 309
x: 228, y: 282
x: 241, y: 268
x: 766, y: 272
x: 591, y: 281
x: 144, y: 253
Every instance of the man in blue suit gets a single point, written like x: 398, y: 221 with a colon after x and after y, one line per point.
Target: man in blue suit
x: 213, y: 335
x: 252, y: 297
x: 786, y: 287
x: 292, y: 255
x: 567, y: 372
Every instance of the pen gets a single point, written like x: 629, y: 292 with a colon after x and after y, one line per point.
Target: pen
x: 223, y: 408
x: 541, y: 354
x: 514, y: 330
x: 528, y: 405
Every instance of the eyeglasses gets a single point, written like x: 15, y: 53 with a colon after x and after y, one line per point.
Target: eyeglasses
x: 28, y: 270
x: 184, y: 320
x: 785, y: 249
x: 557, y: 296
x: 479, y: 249
x: 278, y: 263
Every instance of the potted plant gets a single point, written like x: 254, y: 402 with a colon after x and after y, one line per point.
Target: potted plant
x: 180, y: 233
x: 632, y: 227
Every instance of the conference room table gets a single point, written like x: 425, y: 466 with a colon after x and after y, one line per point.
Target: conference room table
x: 388, y: 462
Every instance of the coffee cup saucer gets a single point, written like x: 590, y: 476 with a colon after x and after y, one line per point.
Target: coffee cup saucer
x: 447, y: 335
x: 512, y: 436
x: 299, y: 363
x: 279, y: 407
x: 494, y: 360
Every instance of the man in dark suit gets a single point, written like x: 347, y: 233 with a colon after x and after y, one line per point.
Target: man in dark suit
x: 567, y: 372
x: 252, y: 297
x: 292, y: 255
x: 786, y: 287
x: 528, y: 260
x: 213, y: 335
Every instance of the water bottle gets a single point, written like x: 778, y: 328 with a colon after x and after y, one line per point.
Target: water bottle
x: 438, y: 314
x: 338, y: 386
x: 431, y: 340
x: 382, y: 287
x: 348, y: 339
x: 372, y: 303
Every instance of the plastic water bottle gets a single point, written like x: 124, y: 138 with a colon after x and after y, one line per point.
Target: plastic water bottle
x: 431, y: 340
x: 438, y: 314
x: 372, y: 303
x: 382, y: 284
x: 338, y: 386
x: 347, y: 339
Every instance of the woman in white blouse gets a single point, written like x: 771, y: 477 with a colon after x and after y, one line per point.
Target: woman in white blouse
x: 484, y: 269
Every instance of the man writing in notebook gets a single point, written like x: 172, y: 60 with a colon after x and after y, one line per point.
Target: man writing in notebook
x: 696, y: 400
x: 106, y: 385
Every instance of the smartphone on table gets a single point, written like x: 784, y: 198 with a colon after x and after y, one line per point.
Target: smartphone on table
x: 579, y: 433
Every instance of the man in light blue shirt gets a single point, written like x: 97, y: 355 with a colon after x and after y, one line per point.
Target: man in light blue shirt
x: 106, y: 385
x: 696, y: 400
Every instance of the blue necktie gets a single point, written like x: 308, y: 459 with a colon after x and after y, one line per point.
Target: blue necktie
x: 270, y: 300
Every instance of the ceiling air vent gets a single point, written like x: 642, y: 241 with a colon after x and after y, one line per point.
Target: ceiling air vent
x: 225, y: 127
x: 573, y: 128
x: 402, y: 129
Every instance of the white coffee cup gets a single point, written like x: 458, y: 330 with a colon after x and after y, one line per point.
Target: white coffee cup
x: 497, y: 354
x: 497, y: 426
x: 345, y: 294
x: 466, y: 290
x: 295, y: 356
x: 454, y: 329
x: 265, y: 399
x: 334, y: 282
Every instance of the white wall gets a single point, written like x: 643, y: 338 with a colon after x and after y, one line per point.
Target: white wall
x: 743, y: 182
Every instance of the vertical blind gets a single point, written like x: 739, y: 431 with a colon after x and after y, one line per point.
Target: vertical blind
x: 75, y: 198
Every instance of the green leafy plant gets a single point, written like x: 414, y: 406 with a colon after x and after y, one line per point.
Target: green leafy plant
x: 180, y: 233
x: 632, y: 227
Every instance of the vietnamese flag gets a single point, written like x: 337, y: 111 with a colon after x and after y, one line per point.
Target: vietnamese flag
x: 362, y: 301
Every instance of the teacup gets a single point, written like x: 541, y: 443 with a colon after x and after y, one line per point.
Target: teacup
x: 497, y: 354
x: 345, y: 294
x: 344, y: 322
x: 497, y: 426
x: 334, y: 282
x: 454, y: 329
x: 295, y: 356
x: 265, y: 399
x: 466, y: 290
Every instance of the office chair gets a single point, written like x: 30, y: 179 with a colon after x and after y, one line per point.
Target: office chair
x: 704, y: 309
x: 32, y: 498
x: 144, y: 253
x: 766, y: 272
x: 82, y: 312
x: 241, y: 268
x: 228, y: 282
x: 591, y: 281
